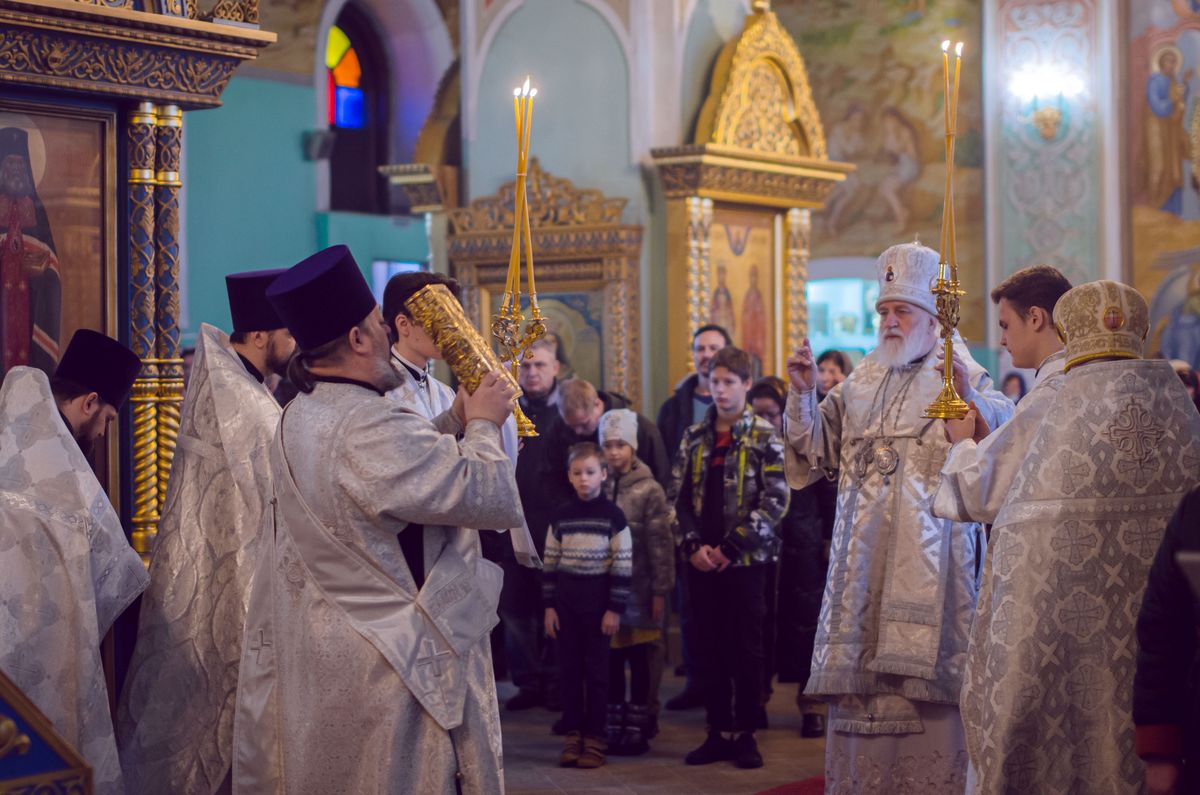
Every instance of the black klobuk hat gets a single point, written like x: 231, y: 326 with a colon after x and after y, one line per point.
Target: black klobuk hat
x: 100, y: 364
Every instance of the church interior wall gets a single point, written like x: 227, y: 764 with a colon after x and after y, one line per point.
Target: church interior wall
x: 618, y: 77
x: 249, y: 191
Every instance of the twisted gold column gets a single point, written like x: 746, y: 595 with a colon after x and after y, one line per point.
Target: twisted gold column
x: 141, y: 146
x: 799, y: 229
x: 699, y: 282
x: 169, y: 139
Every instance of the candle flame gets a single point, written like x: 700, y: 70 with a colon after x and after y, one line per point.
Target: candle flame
x: 532, y: 93
x: 946, y: 45
x: 525, y: 88
x: 958, y: 49
x: 516, y: 92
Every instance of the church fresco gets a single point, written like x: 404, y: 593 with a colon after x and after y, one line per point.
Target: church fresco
x: 876, y: 76
x: 1164, y: 173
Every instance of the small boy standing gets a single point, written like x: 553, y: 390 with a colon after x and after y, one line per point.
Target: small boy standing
x: 730, y: 495
x: 588, y: 566
x: 631, y: 485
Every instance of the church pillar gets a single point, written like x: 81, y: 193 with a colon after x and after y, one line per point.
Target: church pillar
x: 141, y: 142
x: 798, y: 236
x: 169, y: 139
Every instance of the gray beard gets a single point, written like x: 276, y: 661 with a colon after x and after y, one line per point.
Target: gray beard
x: 893, y: 353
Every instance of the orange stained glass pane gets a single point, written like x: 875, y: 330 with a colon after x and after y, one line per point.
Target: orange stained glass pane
x: 336, y: 46
x: 348, y: 72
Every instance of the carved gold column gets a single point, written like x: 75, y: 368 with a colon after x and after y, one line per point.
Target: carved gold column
x: 169, y: 139
x: 699, y: 287
x: 799, y: 231
x: 141, y: 150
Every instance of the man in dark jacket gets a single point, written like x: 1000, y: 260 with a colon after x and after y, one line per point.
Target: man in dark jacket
x: 691, y: 399
x: 581, y: 407
x: 687, y: 406
x: 521, y: 610
x: 1165, y: 703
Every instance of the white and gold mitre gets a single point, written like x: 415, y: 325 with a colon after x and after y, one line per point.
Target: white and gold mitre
x: 906, y: 272
x: 1102, y: 320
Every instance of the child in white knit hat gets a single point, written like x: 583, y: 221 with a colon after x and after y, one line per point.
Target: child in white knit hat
x: 631, y: 485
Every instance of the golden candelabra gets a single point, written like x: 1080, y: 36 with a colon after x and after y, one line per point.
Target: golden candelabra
x: 465, y: 350
x: 948, y: 404
x: 506, y: 324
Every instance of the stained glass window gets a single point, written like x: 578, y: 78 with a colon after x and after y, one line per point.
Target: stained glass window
x: 347, y: 105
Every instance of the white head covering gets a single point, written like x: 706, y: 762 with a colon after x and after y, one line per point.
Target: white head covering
x: 619, y: 424
x: 906, y: 273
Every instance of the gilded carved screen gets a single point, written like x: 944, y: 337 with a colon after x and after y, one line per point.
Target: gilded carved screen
x: 586, y: 264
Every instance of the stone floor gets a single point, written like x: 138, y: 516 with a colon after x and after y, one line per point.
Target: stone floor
x: 531, y: 755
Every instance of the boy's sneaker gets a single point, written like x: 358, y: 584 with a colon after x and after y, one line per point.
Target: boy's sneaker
x: 593, y: 752
x: 745, y: 752
x: 716, y: 748
x: 572, y: 750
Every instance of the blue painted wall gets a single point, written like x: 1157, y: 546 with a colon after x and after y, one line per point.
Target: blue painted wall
x: 581, y: 114
x: 251, y: 198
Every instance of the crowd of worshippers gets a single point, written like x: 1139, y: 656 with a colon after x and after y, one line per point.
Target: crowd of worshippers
x: 998, y: 603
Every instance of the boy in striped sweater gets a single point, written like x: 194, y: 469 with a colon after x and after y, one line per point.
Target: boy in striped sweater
x: 588, y: 567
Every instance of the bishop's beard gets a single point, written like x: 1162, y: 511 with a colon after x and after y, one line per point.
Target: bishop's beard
x: 896, y: 350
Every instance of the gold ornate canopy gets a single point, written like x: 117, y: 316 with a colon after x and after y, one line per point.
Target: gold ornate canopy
x: 581, y: 247
x: 758, y: 159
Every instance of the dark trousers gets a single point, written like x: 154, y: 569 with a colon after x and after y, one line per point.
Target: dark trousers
x: 583, y: 670
x: 687, y: 634
x: 729, y: 610
x: 522, y: 614
x: 638, y: 658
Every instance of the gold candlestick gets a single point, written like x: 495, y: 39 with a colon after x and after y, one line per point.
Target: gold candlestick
x: 948, y: 404
x: 506, y: 324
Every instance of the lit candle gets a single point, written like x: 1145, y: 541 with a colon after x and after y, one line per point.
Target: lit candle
x: 943, y: 248
x: 958, y: 48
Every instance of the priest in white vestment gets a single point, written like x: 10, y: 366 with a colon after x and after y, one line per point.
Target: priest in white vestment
x: 1048, y: 689
x: 901, y: 588
x: 412, y: 352
x: 983, y: 462
x: 68, y: 570
x: 365, y: 665
x: 175, y: 721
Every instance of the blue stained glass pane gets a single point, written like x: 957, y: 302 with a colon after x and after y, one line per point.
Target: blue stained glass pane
x: 350, y: 110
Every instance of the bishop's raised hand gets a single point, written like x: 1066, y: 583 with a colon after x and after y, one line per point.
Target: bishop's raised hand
x: 802, y: 368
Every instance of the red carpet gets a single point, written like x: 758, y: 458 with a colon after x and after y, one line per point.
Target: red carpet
x: 809, y: 786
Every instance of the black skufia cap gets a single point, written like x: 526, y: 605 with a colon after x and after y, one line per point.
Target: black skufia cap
x: 322, y: 297
x: 248, y: 304
x: 100, y: 364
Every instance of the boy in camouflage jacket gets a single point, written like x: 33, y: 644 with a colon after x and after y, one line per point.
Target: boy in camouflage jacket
x: 730, y: 493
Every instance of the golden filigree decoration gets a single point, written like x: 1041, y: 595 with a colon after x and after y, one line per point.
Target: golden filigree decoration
x: 581, y: 246
x: 553, y: 202
x: 698, y: 270
x: 241, y: 11
x: 799, y: 236
x: 760, y: 98
x: 12, y: 740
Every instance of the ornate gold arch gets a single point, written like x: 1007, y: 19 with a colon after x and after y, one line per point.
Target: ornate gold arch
x: 759, y: 148
x: 762, y: 68
x: 579, y: 245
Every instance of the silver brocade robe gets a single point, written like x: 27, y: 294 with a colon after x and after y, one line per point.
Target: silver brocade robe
x: 901, y: 587
x: 433, y: 401
x: 68, y: 572
x: 351, y: 680
x: 176, y: 715
x: 976, y: 477
x: 1048, y: 691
